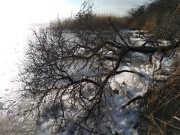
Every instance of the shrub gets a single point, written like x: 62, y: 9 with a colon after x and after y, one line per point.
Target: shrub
x: 161, y: 110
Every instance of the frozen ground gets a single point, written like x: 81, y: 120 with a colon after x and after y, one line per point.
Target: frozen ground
x: 126, y: 85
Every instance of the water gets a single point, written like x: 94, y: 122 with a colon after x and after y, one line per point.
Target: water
x: 13, y: 43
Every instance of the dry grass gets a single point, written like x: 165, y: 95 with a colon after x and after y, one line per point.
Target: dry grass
x: 161, y: 113
x: 102, y: 22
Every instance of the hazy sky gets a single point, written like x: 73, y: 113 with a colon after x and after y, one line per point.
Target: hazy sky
x: 40, y: 11
x: 117, y: 7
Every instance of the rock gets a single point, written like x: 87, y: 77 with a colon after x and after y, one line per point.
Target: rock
x: 1, y: 106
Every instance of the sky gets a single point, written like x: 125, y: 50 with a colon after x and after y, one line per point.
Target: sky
x: 41, y: 11
x: 115, y: 7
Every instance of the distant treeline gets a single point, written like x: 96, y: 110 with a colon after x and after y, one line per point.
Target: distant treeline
x: 162, y: 17
x: 98, y: 22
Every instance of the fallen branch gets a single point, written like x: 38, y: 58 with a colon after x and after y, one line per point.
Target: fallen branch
x: 152, y: 49
x: 131, y: 101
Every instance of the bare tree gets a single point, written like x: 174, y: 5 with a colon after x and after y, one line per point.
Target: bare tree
x: 73, y: 71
